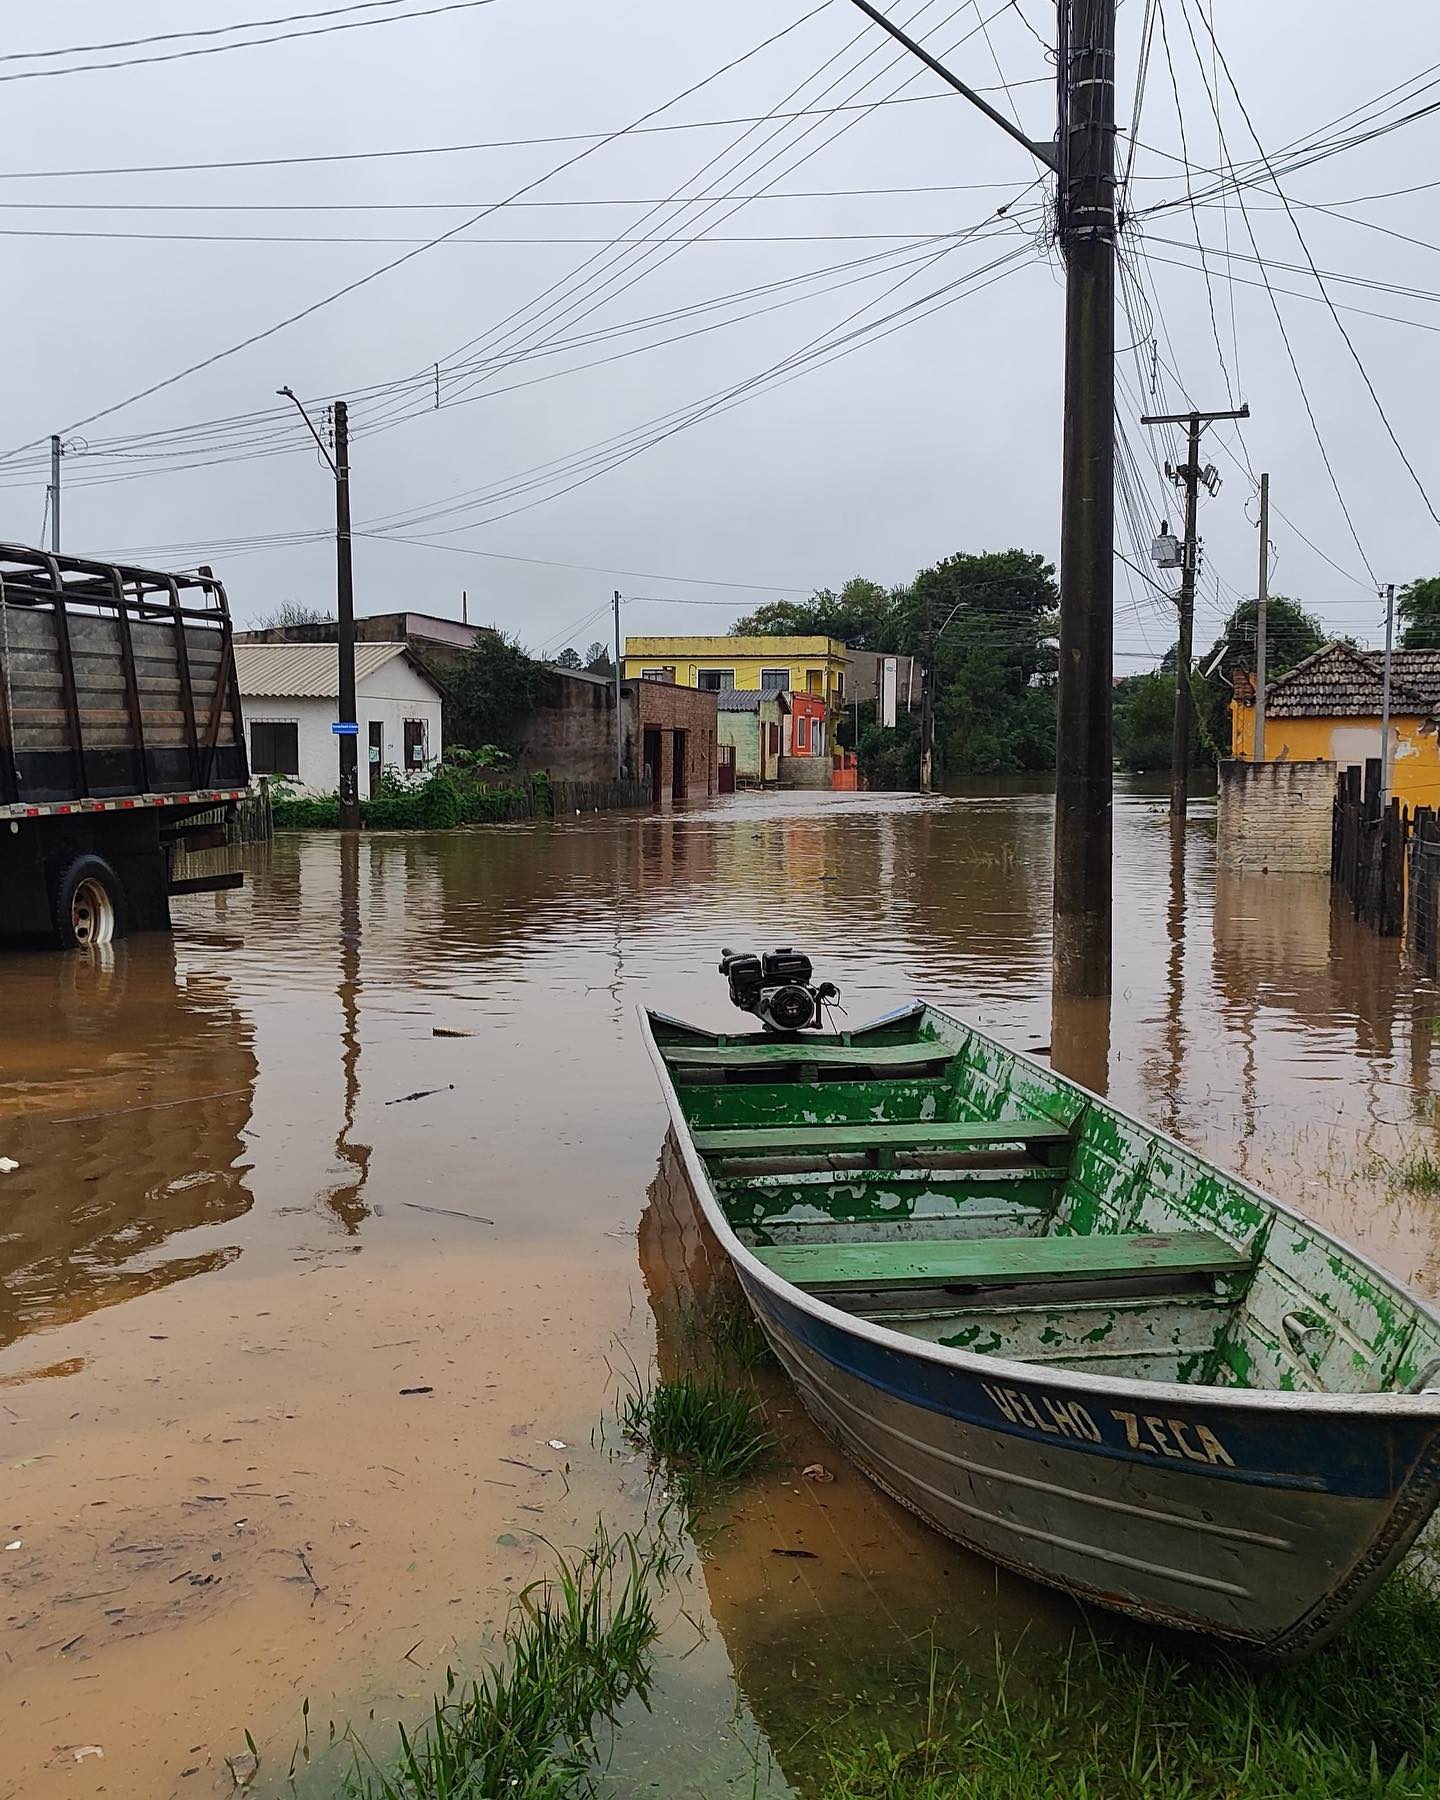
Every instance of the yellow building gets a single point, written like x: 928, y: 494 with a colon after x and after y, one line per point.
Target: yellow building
x: 802, y: 665
x: 1328, y: 707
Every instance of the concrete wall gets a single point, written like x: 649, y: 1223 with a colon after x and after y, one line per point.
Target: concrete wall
x: 393, y: 694
x: 805, y: 771
x: 1275, y: 817
x: 742, y: 731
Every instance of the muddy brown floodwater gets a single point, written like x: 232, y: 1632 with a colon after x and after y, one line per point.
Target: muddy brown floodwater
x: 325, y: 1241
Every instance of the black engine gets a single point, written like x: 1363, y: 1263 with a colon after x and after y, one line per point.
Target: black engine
x: 777, y: 988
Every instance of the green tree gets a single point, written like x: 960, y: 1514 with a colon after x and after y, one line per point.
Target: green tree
x: 493, y: 690
x: 1144, y: 718
x: 568, y: 659
x: 1419, y: 609
x: 863, y: 615
x: 1291, y: 634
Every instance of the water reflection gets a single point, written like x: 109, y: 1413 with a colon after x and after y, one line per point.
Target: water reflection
x: 1250, y: 1016
x: 125, y: 1090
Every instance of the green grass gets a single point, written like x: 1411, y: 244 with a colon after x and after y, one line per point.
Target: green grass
x: 704, y: 1432
x: 1362, y: 1718
x: 1417, y: 1172
x: 577, y: 1645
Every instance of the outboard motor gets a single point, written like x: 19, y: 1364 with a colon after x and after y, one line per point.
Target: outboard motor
x: 777, y: 988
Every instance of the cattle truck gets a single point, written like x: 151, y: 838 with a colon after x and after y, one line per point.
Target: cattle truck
x: 121, y: 741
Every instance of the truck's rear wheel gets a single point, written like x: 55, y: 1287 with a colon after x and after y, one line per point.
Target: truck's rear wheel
x: 89, y: 904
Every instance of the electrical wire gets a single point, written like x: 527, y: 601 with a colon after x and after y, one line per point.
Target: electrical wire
x: 1310, y: 262
x: 170, y: 37
x: 394, y: 263
x: 280, y: 37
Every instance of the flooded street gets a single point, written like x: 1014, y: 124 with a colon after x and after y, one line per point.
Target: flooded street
x: 330, y: 1231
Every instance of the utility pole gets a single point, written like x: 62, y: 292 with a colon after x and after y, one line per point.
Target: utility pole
x: 927, y: 700
x: 1189, y: 476
x: 55, y: 492
x: 1084, y: 756
x: 1262, y: 601
x: 1385, y: 699
x: 345, y: 635
x: 346, y: 727
x: 619, y: 716
x: 1083, y: 157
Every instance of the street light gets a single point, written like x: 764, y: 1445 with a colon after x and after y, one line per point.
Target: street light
x: 345, y: 727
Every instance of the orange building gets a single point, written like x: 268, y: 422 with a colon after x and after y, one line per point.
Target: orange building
x: 1329, y: 706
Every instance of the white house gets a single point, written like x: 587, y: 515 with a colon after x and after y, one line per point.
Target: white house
x: 290, y: 697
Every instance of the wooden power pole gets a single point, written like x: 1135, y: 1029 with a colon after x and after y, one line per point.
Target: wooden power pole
x: 1190, y: 476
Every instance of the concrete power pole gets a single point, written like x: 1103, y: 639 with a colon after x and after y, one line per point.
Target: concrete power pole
x: 1262, y: 601
x: 1385, y: 698
x: 345, y: 634
x: 1189, y: 476
x: 1084, y: 754
x: 619, y: 714
x: 927, y: 702
x: 55, y: 494
x: 346, y: 727
x: 1083, y: 158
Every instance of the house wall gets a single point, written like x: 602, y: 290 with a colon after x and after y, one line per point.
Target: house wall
x: 392, y: 695
x: 1275, y: 817
x: 658, y: 705
x: 1348, y: 742
x: 814, y: 734
x: 743, y: 731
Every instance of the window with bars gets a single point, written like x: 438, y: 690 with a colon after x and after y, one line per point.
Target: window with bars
x: 775, y: 680
x: 414, y: 743
x: 714, y: 681
x: 274, y: 747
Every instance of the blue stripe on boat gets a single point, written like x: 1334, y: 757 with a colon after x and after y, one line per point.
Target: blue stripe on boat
x: 1259, y: 1449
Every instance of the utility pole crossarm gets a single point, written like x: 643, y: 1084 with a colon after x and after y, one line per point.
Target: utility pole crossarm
x: 1044, y: 153
x: 1206, y: 418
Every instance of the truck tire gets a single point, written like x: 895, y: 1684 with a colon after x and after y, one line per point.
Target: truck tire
x: 89, y: 907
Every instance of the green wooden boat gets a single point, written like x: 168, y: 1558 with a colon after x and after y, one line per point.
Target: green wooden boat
x: 1057, y: 1334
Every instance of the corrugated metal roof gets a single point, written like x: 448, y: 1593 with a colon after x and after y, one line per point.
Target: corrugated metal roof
x: 733, y: 699
x: 1341, y: 682
x: 304, y: 671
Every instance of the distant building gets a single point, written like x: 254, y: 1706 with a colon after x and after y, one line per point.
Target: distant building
x: 668, y: 739
x: 807, y: 728
x: 803, y: 665
x: 290, y: 697
x: 667, y: 734
x: 1329, y: 707
x: 753, y: 722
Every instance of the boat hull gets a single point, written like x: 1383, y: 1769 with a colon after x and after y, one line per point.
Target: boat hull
x: 1194, y: 1518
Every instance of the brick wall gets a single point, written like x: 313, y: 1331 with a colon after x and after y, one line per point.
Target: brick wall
x: 1275, y: 817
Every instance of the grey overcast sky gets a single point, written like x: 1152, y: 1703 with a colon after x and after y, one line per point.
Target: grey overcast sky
x: 568, y: 430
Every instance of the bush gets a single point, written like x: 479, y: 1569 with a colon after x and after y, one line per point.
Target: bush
x: 453, y: 794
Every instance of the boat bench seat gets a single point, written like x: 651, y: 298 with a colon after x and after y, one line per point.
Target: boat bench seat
x: 786, y: 1052
x: 915, y: 1134
x: 1002, y: 1262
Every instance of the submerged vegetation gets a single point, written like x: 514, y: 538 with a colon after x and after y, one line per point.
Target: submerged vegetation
x: 704, y: 1431
x: 578, y: 1643
x: 468, y: 787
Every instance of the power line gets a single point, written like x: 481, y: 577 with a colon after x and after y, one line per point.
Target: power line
x: 394, y: 263
x: 280, y: 37
x: 1310, y: 261
x: 349, y: 156
x: 169, y: 37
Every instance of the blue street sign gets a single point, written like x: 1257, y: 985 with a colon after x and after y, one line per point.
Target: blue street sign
x: 342, y: 728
